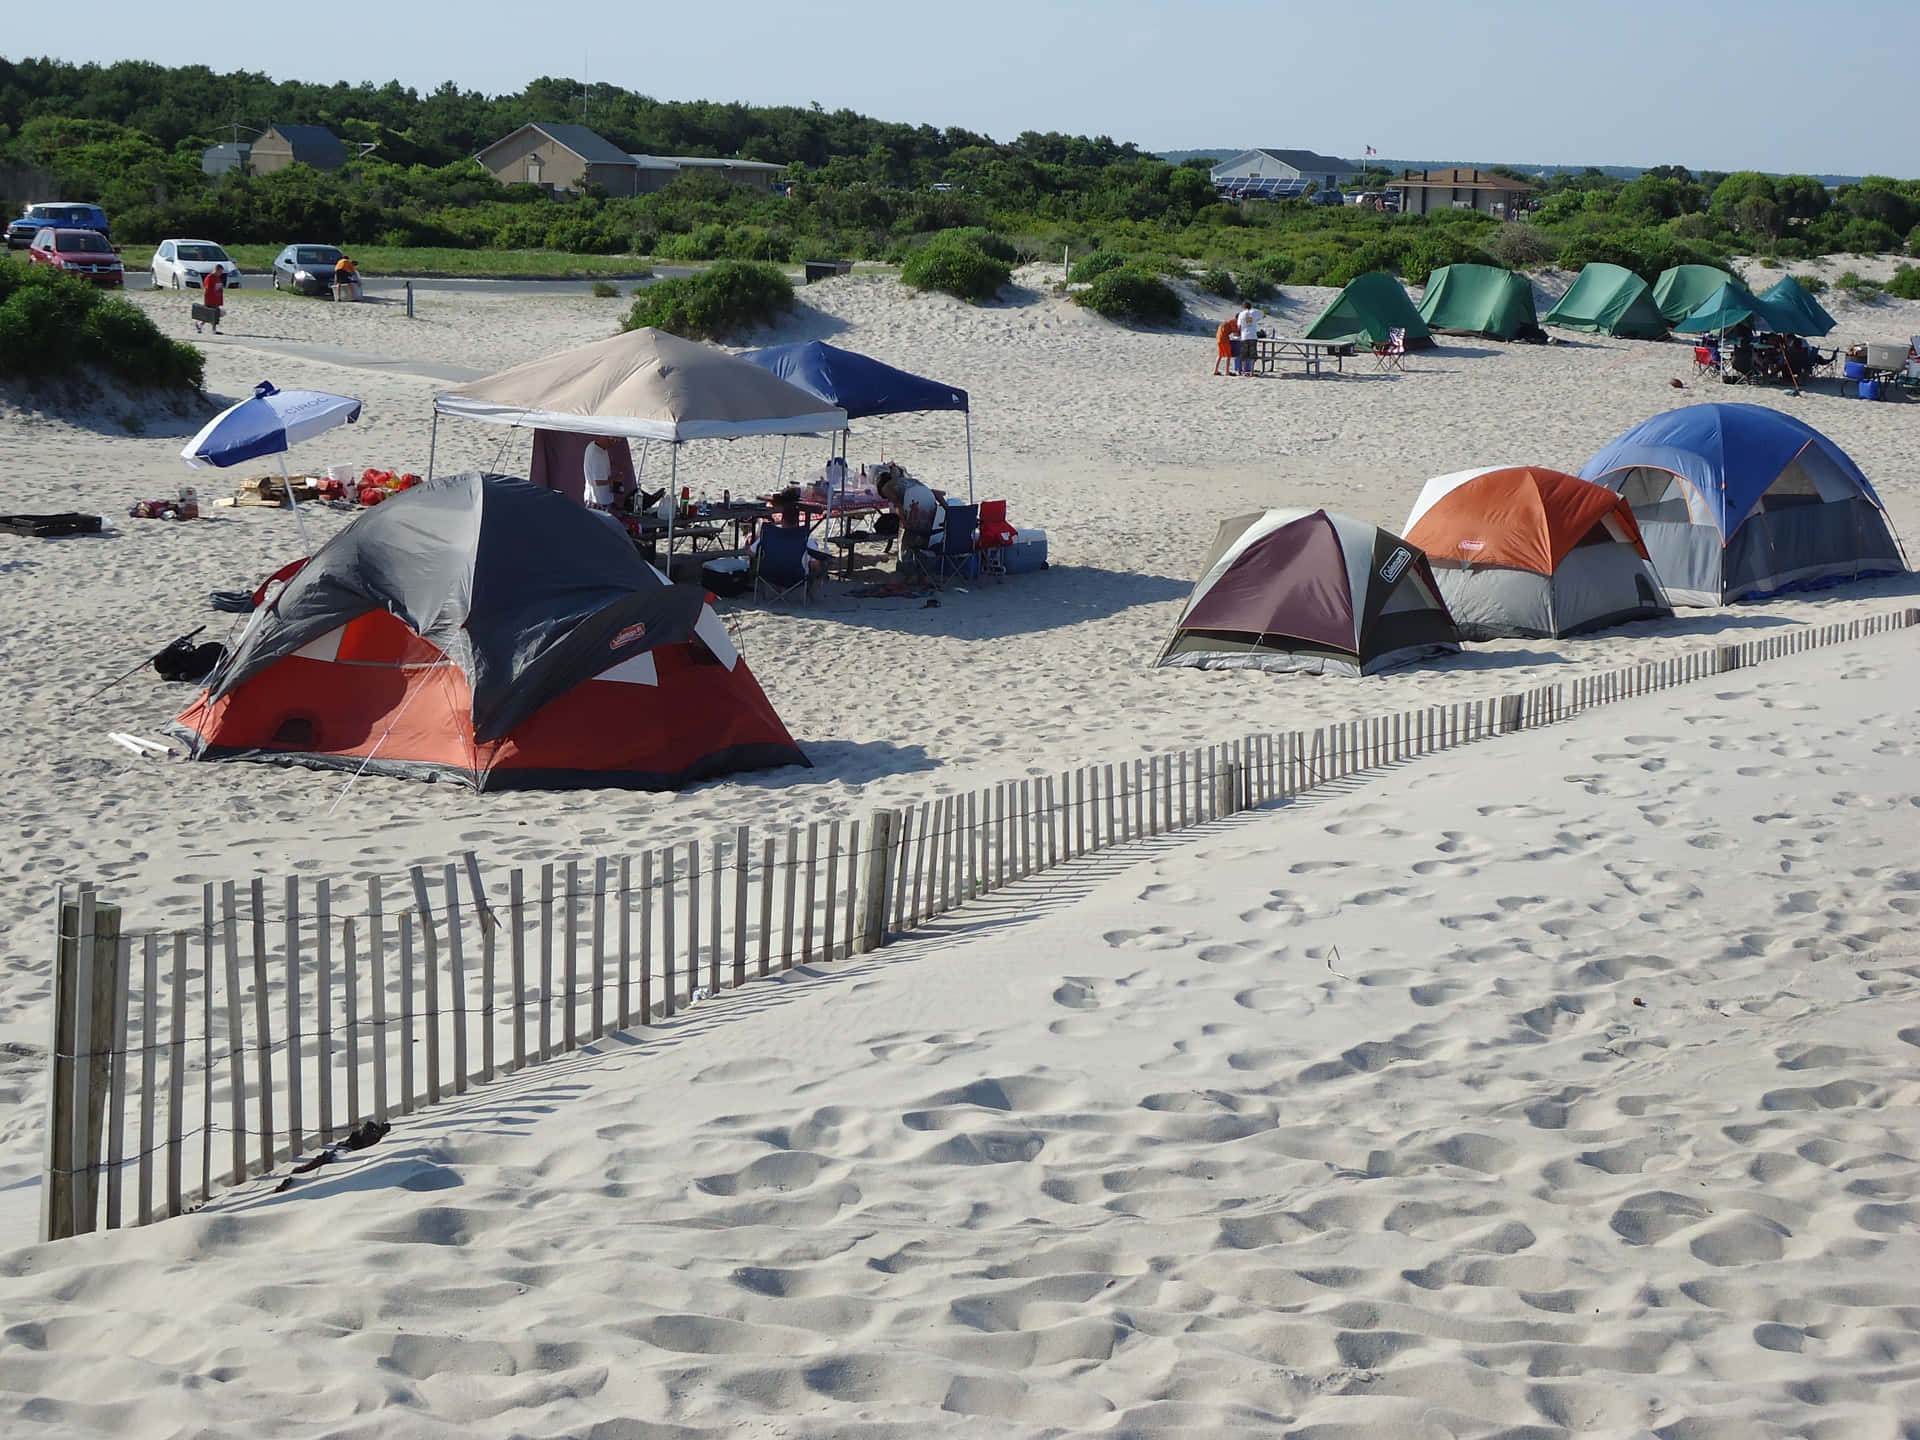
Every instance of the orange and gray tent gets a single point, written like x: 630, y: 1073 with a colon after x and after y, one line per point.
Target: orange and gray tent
x: 484, y: 630
x: 1524, y: 551
x: 1311, y: 591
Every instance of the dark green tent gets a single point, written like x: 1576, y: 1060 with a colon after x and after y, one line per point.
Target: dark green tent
x: 1681, y: 290
x: 1370, y: 306
x: 1730, y: 305
x: 1478, y: 300
x: 1790, y: 300
x: 1608, y: 300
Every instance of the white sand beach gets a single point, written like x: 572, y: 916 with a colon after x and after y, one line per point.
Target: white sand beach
x: 1559, y: 1086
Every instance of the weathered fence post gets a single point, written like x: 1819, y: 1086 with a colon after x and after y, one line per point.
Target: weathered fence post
x: 86, y: 938
x: 876, y: 887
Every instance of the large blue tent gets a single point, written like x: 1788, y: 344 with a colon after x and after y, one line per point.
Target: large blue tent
x: 1739, y: 501
x: 861, y: 385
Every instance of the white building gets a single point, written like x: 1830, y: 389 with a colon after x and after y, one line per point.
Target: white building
x: 1280, y: 173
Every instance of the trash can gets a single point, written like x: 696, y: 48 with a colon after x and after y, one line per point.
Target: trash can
x: 826, y: 269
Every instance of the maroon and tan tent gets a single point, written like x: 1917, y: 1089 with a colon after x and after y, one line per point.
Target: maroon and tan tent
x: 1312, y: 591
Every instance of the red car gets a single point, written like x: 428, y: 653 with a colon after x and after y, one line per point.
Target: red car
x: 82, y: 253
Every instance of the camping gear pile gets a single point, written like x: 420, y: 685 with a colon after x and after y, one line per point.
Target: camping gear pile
x: 1702, y: 506
x: 377, y: 485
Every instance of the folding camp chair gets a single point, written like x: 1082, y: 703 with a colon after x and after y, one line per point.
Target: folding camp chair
x: 995, y: 536
x: 952, y: 554
x: 784, y: 563
x: 1706, y: 360
x: 1388, y: 356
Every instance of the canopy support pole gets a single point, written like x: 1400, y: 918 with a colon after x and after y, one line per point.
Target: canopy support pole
x: 433, y: 440
x: 673, y: 501
x: 780, y: 475
x: 298, y: 518
x: 969, y: 415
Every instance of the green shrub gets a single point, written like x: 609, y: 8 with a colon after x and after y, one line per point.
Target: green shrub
x: 1905, y: 284
x: 954, y: 263
x: 1219, y: 282
x: 605, y: 290
x: 1860, y: 289
x: 733, y: 296
x: 1516, y: 246
x: 1132, y: 295
x: 1812, y: 284
x: 1094, y: 266
x: 1269, y: 271
x: 53, y: 324
x: 986, y: 242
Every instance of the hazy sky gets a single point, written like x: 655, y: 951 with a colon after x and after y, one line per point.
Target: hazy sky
x: 1757, y: 85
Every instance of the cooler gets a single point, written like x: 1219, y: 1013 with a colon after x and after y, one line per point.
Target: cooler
x: 1027, y: 553
x: 728, y: 577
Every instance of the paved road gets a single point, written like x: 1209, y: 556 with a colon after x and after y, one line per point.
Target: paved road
x: 393, y: 287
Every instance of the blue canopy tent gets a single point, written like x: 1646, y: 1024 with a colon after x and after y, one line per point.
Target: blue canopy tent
x: 1739, y: 501
x: 862, y: 386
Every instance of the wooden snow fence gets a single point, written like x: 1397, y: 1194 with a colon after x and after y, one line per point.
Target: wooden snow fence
x: 297, y: 1008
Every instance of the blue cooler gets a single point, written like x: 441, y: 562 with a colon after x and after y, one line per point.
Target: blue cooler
x: 1854, y: 370
x: 1869, y: 389
x: 1027, y: 553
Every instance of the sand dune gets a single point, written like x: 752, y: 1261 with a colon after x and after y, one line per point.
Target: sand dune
x: 1562, y: 1088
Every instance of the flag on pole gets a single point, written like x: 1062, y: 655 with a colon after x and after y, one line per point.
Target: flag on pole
x: 1372, y: 151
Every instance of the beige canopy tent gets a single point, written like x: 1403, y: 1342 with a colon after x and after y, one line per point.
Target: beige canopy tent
x: 641, y: 385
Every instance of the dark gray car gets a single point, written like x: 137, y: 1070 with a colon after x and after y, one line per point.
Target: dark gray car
x: 306, y: 269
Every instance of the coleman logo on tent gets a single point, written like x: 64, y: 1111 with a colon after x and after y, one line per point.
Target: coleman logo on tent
x: 1471, y: 545
x: 1396, y: 562
x: 629, y: 635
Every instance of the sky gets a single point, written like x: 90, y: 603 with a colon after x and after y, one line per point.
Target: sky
x: 1712, y: 85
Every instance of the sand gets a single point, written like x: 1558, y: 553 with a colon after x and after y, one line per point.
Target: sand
x: 1064, y: 1164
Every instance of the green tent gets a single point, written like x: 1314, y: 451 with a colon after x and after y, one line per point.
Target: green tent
x: 1681, y: 290
x: 1789, y: 300
x: 1370, y: 306
x: 1478, y: 300
x: 1608, y: 300
x: 1730, y: 305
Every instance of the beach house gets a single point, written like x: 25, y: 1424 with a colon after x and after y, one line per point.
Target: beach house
x: 571, y: 157
x: 279, y: 146
x: 1279, y: 174
x: 1458, y: 188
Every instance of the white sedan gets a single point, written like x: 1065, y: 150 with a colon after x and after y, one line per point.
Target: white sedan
x: 183, y: 264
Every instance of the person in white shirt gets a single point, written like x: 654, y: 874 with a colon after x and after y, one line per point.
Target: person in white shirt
x: 1250, y: 318
x: 598, y: 472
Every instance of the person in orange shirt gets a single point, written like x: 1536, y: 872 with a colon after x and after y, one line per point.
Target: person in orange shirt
x: 346, y: 276
x: 1224, y: 338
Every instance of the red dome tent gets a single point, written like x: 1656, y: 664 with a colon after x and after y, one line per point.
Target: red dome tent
x: 481, y: 629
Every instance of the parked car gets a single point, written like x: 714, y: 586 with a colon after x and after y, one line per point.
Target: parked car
x: 60, y: 214
x: 1326, y: 197
x: 82, y: 253
x: 183, y: 264
x: 306, y: 269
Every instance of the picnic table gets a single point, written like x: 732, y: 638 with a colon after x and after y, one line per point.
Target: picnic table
x: 1271, y: 350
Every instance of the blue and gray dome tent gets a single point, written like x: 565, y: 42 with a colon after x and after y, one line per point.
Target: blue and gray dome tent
x: 1737, y: 502
x: 861, y: 385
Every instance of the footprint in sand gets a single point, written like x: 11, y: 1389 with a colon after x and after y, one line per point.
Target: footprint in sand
x: 1159, y: 937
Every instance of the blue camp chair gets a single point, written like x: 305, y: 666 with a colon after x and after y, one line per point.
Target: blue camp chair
x: 952, y: 552
x: 784, y: 563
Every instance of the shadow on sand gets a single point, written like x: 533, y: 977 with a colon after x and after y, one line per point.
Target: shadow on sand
x: 1049, y: 599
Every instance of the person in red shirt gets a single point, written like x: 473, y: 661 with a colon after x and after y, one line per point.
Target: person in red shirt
x: 213, y: 291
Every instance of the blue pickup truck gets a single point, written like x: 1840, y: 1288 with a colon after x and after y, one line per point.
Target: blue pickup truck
x: 55, y: 214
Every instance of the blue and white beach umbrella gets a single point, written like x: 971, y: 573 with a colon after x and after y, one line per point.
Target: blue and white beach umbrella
x: 271, y: 422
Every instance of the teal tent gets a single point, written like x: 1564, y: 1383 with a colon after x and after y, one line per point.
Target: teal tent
x: 1370, y: 306
x: 1732, y: 304
x: 1478, y: 300
x: 1789, y: 300
x: 1608, y: 300
x: 1683, y: 289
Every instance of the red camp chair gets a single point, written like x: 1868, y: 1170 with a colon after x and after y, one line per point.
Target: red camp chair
x: 1706, y: 360
x: 1387, y: 356
x: 995, y: 536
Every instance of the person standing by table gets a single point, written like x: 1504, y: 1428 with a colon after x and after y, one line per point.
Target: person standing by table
x: 213, y: 297
x: 597, y: 489
x: 1225, y: 338
x: 1249, y: 320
